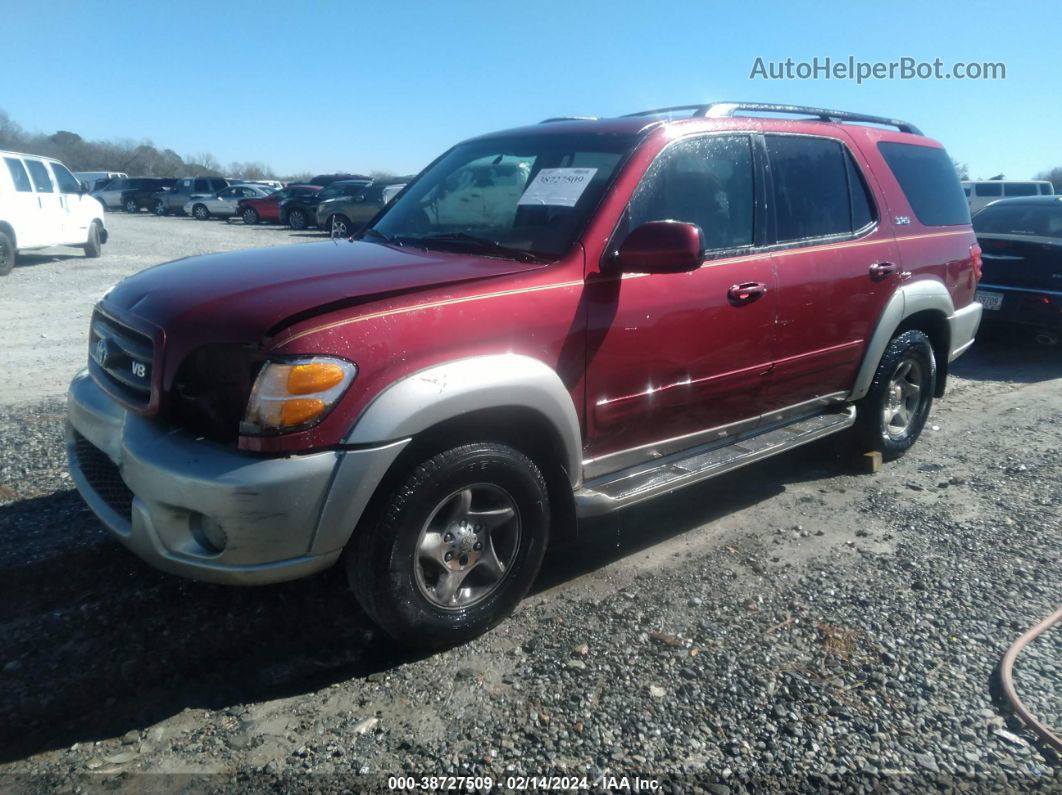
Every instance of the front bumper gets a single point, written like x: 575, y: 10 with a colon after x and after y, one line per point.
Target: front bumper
x: 156, y: 488
x: 963, y: 324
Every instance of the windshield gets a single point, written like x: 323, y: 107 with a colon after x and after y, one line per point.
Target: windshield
x: 1038, y: 220
x: 528, y: 195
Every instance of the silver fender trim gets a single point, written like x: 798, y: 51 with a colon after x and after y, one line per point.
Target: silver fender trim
x: 445, y: 391
x: 906, y: 301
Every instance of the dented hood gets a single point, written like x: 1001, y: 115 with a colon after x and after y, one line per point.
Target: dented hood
x: 243, y: 296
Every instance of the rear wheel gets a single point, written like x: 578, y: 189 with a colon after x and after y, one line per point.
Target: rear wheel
x: 250, y: 216
x: 339, y: 226
x: 893, y: 413
x: 131, y: 206
x: 7, y: 253
x: 93, y: 248
x: 454, y: 548
x: 297, y: 219
x: 201, y: 212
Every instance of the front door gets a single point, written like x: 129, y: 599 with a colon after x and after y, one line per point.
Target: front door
x: 75, y: 220
x: 678, y: 360
x: 837, y: 265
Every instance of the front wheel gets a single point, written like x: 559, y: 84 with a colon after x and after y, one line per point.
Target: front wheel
x: 297, y: 220
x: 93, y: 247
x: 201, y: 212
x: 895, y: 410
x: 250, y: 216
x: 160, y: 208
x: 454, y: 548
x: 131, y: 206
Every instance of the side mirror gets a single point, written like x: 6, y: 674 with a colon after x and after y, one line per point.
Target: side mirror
x: 82, y: 188
x: 661, y: 247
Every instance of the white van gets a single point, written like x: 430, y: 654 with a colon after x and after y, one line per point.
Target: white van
x: 42, y: 204
x: 980, y: 192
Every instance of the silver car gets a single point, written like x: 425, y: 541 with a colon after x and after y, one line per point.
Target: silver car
x: 225, y: 203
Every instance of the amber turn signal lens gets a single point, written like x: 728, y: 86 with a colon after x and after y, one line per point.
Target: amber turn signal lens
x: 300, y: 410
x: 305, y: 379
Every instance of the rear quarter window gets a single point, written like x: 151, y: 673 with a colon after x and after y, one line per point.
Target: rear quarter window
x: 928, y: 180
x: 18, y: 175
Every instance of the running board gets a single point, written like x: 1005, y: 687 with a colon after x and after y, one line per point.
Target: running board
x: 631, y: 486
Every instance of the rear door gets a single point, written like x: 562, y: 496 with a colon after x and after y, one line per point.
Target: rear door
x: 50, y: 211
x: 837, y: 265
x: 25, y: 211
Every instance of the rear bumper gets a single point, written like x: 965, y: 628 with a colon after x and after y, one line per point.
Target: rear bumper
x: 963, y: 324
x: 1037, y: 308
x: 156, y: 489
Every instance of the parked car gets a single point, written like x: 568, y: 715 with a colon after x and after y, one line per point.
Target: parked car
x: 982, y: 192
x: 665, y: 300
x: 1021, y: 242
x: 300, y: 211
x: 324, y: 180
x: 266, y: 183
x: 345, y: 214
x: 268, y: 209
x: 173, y: 200
x: 130, y: 193
x: 226, y: 203
x: 42, y: 204
x: 93, y: 179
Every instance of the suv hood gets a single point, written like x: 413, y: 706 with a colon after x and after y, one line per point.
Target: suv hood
x: 243, y: 296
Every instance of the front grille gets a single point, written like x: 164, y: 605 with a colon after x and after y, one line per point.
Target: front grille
x: 121, y: 359
x: 103, y: 476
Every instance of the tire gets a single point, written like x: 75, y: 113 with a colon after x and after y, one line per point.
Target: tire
x: 8, y: 253
x: 160, y: 209
x: 339, y: 226
x: 894, y: 412
x: 131, y: 206
x: 250, y: 216
x: 297, y: 219
x: 93, y: 248
x: 397, y: 561
x: 200, y: 212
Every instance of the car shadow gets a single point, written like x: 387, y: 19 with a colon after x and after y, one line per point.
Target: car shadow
x: 94, y: 643
x: 32, y: 259
x: 1009, y: 353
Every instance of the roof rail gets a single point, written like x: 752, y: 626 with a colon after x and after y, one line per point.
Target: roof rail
x: 721, y: 110
x: 568, y: 118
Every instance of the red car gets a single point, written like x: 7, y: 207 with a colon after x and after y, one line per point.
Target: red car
x: 254, y: 211
x: 549, y: 323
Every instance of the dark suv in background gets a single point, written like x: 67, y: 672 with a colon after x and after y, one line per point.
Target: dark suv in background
x: 324, y: 180
x: 164, y: 202
x: 140, y: 193
x: 114, y: 193
x: 299, y: 212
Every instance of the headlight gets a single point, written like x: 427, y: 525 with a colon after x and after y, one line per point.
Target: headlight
x: 295, y: 394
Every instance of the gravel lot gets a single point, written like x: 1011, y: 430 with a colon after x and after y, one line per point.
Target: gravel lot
x: 797, y: 625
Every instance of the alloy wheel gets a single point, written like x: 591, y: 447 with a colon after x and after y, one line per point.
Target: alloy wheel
x: 903, y: 396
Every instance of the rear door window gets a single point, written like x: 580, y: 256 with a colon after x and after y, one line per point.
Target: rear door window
x: 1019, y: 189
x: 18, y: 175
x: 67, y: 182
x: 42, y: 181
x: 811, y: 196
x: 707, y: 181
x: 928, y: 180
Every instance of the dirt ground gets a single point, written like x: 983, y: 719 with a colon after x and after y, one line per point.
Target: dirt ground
x: 798, y: 621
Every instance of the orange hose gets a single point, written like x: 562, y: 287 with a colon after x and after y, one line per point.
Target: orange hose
x: 1006, y: 670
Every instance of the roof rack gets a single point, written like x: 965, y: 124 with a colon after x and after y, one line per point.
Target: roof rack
x: 568, y: 118
x: 720, y: 110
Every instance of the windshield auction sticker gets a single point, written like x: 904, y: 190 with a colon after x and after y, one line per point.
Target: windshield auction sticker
x: 558, y: 187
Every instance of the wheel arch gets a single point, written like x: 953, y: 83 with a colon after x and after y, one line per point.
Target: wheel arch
x: 10, y: 230
x: 925, y: 305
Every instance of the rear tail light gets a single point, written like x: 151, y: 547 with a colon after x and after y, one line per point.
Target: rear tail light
x: 975, y: 261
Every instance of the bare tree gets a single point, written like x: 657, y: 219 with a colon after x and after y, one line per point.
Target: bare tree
x: 1054, y: 175
x: 961, y: 169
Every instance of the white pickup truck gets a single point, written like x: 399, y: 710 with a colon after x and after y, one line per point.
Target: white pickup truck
x: 42, y: 204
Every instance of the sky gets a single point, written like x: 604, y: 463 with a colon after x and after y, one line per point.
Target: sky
x: 353, y: 86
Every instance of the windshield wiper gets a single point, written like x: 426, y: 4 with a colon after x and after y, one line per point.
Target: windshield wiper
x: 480, y: 243
x: 376, y: 233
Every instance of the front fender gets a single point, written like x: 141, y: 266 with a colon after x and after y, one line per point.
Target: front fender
x: 443, y: 392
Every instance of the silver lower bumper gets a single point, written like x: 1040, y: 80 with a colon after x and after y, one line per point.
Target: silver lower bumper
x: 963, y: 324
x: 156, y: 488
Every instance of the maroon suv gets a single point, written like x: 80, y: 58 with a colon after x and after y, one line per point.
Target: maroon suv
x: 549, y: 323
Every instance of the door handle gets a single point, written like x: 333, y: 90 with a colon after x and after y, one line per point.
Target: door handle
x: 746, y: 292
x: 882, y: 270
